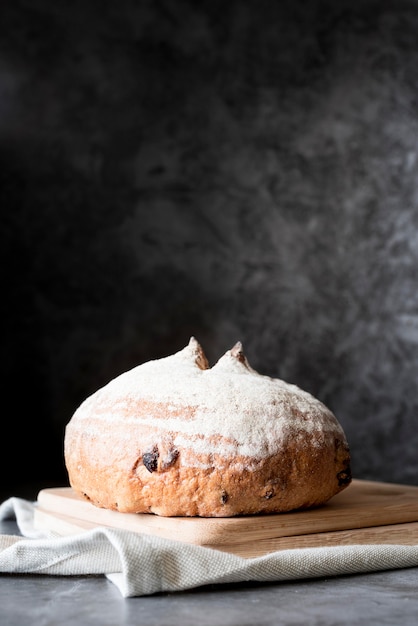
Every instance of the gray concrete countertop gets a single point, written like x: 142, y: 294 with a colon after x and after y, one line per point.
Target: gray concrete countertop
x: 383, y: 598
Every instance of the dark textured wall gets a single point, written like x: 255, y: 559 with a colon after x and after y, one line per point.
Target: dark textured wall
x: 234, y: 171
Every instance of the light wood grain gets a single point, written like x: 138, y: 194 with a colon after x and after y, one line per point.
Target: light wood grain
x: 364, y: 504
x: 400, y: 534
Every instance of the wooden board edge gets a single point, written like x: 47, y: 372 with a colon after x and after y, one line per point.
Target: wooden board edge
x: 227, y: 531
x: 396, y: 534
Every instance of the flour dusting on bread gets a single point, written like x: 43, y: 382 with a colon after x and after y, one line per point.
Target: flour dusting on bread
x: 193, y: 422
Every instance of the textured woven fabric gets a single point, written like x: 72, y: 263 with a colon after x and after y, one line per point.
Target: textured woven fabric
x: 142, y: 565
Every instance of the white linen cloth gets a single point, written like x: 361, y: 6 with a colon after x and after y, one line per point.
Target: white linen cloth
x: 142, y: 565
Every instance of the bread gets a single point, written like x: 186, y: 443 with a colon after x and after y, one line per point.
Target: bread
x: 177, y: 438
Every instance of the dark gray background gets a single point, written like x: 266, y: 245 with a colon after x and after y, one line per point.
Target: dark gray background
x: 229, y: 170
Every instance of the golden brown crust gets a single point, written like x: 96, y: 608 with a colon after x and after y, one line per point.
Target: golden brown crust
x: 136, y: 462
x: 153, y: 479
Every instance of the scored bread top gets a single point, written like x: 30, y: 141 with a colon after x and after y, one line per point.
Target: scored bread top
x: 227, y: 409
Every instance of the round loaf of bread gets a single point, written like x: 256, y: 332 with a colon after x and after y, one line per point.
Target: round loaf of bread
x: 175, y: 437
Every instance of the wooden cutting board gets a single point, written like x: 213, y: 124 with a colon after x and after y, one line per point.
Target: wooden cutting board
x: 366, y: 512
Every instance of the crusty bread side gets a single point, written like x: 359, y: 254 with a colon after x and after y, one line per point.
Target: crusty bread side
x: 176, y: 438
